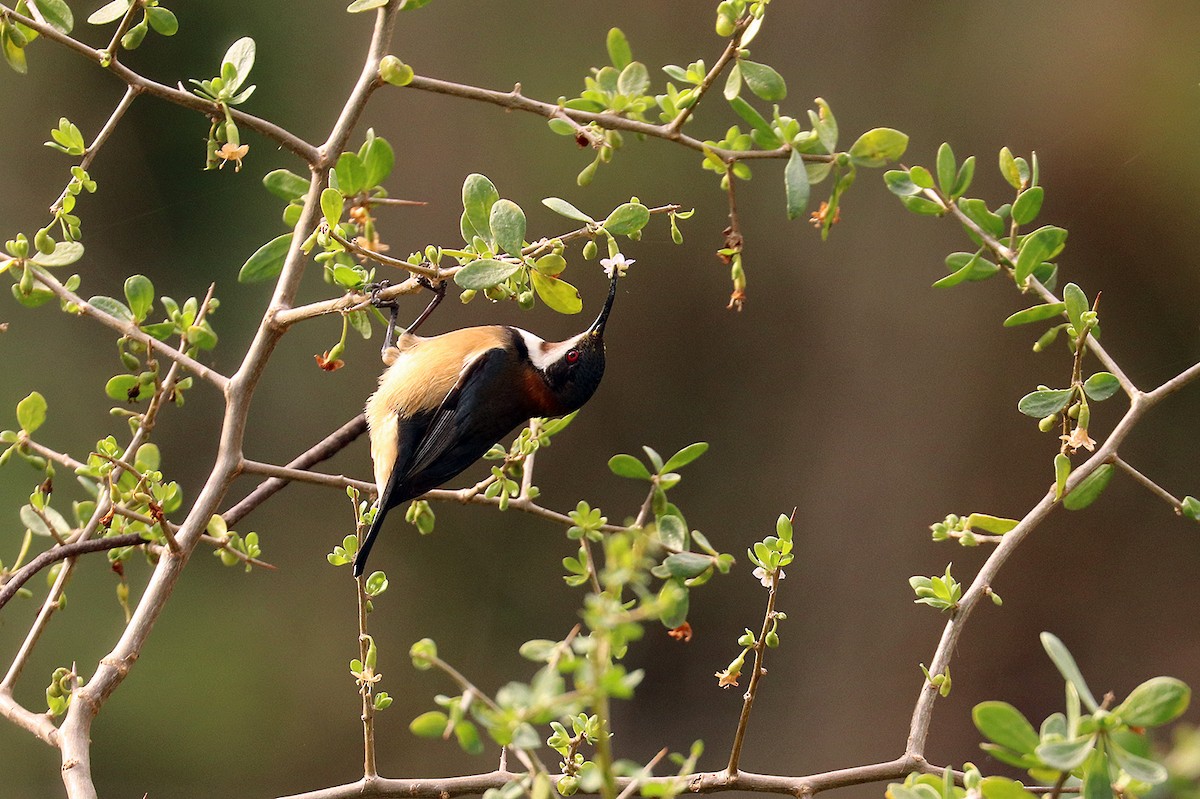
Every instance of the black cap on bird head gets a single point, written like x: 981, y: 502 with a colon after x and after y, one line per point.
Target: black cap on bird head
x: 578, y: 363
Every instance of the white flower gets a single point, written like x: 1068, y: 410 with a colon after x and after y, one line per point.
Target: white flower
x: 618, y: 264
x: 764, y: 577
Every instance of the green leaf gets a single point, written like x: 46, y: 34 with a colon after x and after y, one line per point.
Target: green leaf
x: 65, y: 252
x: 267, y: 260
x: 991, y: 524
x: 1155, y: 702
x: 1003, y: 788
x: 876, y: 147
x: 162, y: 20
x: 550, y: 264
x: 1061, y: 657
x: 485, y: 273
x: 672, y: 532
x: 1067, y: 755
x: 1040, y: 404
x: 507, y: 223
x: 966, y: 267
x: 378, y: 158
x: 947, y: 169
x: 795, y: 184
x: 558, y: 294
x: 628, y: 466
x: 109, y: 12
x: 619, y: 51
x: 634, y: 79
x: 763, y: 80
x: 627, y: 218
x: 767, y: 136
x: 429, y: 725
x: 922, y: 206
x: 1191, y: 508
x: 1140, y: 768
x: 58, y: 14
x: 1097, y: 781
x: 139, y: 292
x: 124, y: 388
x: 1005, y: 725
x: 114, y: 308
x: 359, y: 6
x: 1040, y: 245
x: 1089, y: 490
x: 1076, y: 303
x: 977, y: 211
x: 1009, y: 169
x: 285, y: 184
x: 1027, y: 205
x: 31, y: 412
x: 351, y: 175
x: 686, y: 565
x: 478, y: 196
x: 900, y: 183
x: 1037, y: 313
x: 331, y: 206
x: 33, y: 522
x: 684, y: 456
x: 468, y: 737
x: 241, y: 55
x: 564, y: 208
x: 1062, y: 470
x: 1101, y: 386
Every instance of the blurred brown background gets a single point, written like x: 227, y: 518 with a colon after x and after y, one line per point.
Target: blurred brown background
x: 848, y: 387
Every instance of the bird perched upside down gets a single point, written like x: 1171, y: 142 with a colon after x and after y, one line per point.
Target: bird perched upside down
x: 445, y: 400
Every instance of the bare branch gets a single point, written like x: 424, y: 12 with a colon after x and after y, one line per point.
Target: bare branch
x: 61, y: 552
x: 332, y: 444
x: 1153, y: 487
x: 704, y: 782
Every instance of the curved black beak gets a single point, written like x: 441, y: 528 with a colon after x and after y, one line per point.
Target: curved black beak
x: 597, y: 327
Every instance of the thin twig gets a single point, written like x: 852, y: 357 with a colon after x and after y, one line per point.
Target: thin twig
x: 61, y: 552
x: 1153, y: 487
x: 730, y: 53
x: 760, y: 651
x: 89, y: 155
x: 328, y: 447
x: 703, y: 782
x: 130, y: 329
x: 519, y: 102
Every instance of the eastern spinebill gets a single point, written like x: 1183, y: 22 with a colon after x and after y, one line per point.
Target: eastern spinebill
x: 445, y: 400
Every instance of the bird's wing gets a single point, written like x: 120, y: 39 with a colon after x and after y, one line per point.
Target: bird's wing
x: 455, y: 425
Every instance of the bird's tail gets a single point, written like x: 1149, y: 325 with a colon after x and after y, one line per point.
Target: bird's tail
x: 360, y: 560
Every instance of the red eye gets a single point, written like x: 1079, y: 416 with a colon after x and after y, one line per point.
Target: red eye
x: 572, y: 356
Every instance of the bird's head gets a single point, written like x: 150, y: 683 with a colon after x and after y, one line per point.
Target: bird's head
x: 573, y: 368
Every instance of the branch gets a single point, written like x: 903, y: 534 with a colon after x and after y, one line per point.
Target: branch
x: 131, y: 330
x: 760, y: 649
x: 282, y: 137
x: 55, y: 554
x: 109, y: 126
x: 356, y: 300
x: 731, y: 51
x: 332, y: 444
x: 703, y: 782
x: 1005, y: 254
x: 1154, y: 487
x: 516, y: 101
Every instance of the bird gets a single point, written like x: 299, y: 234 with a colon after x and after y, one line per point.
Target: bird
x: 445, y: 400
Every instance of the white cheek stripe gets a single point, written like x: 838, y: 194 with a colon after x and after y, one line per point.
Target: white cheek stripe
x: 542, y: 355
